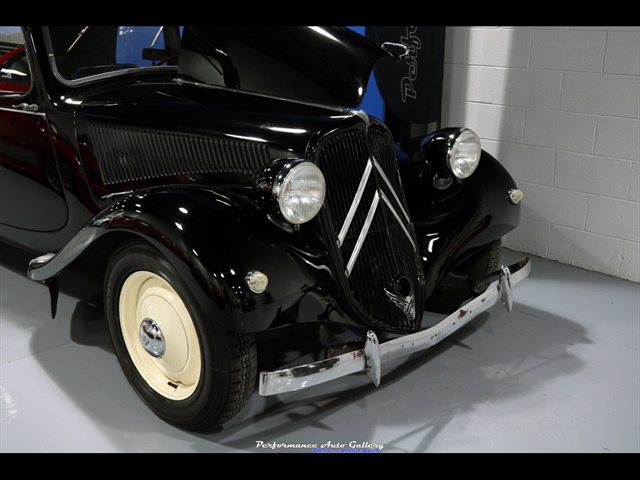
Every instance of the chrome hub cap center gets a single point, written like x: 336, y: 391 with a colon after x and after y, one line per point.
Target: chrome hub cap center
x: 151, y: 338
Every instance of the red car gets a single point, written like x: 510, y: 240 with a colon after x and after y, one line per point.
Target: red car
x: 14, y: 71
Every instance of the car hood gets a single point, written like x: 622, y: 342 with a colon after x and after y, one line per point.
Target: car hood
x: 141, y: 135
x: 285, y: 127
x: 328, y: 65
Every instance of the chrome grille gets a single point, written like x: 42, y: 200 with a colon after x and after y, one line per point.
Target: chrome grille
x: 366, y: 224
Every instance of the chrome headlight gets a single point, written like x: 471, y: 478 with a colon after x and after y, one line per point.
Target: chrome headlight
x: 299, y: 190
x: 464, y: 154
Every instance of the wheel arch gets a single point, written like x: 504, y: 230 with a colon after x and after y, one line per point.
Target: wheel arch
x: 210, y: 245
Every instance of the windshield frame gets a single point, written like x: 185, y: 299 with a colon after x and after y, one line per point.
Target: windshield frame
x: 102, y: 71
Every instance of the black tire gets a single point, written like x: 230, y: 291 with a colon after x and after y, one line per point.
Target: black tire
x: 484, y: 262
x: 190, y: 372
x: 449, y: 296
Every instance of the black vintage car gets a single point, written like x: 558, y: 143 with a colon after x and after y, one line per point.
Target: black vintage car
x: 243, y: 213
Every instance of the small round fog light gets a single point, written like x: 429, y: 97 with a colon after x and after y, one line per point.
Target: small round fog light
x: 256, y: 281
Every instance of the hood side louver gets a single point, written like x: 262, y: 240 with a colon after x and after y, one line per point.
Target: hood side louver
x: 126, y: 154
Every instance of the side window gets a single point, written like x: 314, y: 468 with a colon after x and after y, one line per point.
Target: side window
x: 14, y: 67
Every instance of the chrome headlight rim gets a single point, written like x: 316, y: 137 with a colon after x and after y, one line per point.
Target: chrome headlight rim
x: 294, y: 205
x: 464, y: 152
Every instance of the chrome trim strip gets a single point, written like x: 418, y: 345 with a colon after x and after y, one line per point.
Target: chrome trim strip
x: 363, y: 232
x: 49, y: 265
x: 386, y: 180
x: 26, y: 112
x: 372, y: 162
x: 313, y: 265
x: 116, y: 194
x: 367, y: 223
x: 395, y: 214
x: 355, y: 203
x: 370, y: 358
x: 341, y: 111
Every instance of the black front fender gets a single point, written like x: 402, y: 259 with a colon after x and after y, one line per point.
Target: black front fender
x: 454, y: 222
x: 213, y: 238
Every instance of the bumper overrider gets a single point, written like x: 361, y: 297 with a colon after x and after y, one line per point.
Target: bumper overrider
x: 374, y: 354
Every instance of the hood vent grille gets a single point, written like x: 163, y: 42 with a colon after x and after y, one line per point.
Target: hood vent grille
x: 129, y: 155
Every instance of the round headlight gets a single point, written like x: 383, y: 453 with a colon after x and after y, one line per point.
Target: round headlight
x: 465, y: 154
x: 300, y: 190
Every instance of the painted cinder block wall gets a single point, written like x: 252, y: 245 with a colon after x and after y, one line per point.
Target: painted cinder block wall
x: 560, y: 108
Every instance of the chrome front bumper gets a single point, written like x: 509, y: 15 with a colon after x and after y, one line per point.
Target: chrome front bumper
x: 374, y: 354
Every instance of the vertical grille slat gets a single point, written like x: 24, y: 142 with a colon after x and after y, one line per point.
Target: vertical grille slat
x: 387, y: 253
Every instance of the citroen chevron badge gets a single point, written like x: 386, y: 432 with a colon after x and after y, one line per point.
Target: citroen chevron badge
x: 397, y: 211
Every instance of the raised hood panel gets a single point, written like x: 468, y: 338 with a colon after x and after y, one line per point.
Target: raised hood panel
x: 328, y: 65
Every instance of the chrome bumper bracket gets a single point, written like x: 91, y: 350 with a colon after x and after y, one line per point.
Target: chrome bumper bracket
x: 505, y: 288
x: 373, y: 358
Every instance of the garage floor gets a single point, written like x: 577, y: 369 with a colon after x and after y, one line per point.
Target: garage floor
x: 559, y: 374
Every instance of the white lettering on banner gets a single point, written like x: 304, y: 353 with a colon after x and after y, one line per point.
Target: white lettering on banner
x: 413, y: 43
x: 328, y: 447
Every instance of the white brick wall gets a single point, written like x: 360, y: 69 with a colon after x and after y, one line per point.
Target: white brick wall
x: 560, y: 108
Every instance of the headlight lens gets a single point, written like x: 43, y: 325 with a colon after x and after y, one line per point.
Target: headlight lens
x: 256, y: 281
x: 465, y: 154
x: 300, y: 190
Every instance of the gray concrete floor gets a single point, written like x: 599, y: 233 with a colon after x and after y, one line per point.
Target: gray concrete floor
x: 560, y: 373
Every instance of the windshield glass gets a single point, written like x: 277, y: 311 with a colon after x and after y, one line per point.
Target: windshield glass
x: 86, y: 51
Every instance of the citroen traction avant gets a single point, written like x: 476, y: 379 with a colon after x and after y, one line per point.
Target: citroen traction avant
x: 253, y: 227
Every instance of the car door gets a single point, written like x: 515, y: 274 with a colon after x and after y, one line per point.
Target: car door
x: 31, y: 195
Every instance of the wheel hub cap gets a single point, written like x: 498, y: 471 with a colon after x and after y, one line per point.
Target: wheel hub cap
x: 151, y: 338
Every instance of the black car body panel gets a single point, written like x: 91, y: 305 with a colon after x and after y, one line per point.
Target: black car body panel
x: 174, y: 170
x: 230, y: 129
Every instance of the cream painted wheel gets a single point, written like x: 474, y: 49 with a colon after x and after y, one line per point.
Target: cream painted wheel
x: 159, y: 335
x: 171, y: 345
